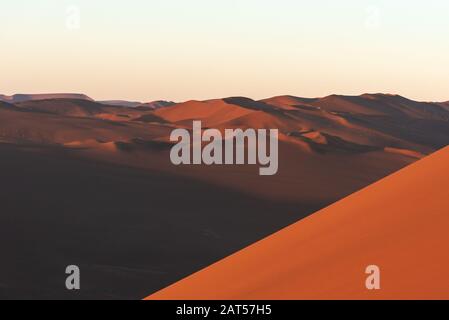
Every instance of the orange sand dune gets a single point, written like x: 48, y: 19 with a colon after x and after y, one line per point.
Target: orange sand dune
x: 262, y: 120
x: 372, y: 119
x: 399, y: 224
x: 212, y: 112
x: 337, y: 103
x: 405, y: 152
x: 289, y: 102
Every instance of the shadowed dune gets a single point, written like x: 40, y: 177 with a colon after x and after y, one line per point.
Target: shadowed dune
x: 399, y: 224
x: 50, y: 129
x: 372, y: 119
x: 82, y: 109
x: 127, y: 229
x: 5, y: 105
x: 150, y: 118
x: 445, y: 105
x: 366, y: 104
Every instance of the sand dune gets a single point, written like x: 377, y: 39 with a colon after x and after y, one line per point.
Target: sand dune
x: 290, y: 102
x: 128, y: 229
x: 212, y: 112
x: 19, y: 125
x: 372, y: 119
x: 115, y: 160
x: 399, y: 224
x: 319, y: 149
x: 261, y: 120
x: 6, y: 105
x: 366, y: 104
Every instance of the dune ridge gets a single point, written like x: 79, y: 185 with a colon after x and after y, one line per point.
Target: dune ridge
x: 399, y: 224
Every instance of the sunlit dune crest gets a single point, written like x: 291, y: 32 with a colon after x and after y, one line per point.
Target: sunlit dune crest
x: 398, y: 224
x: 409, y: 153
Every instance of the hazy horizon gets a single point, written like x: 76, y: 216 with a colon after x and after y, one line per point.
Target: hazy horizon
x: 182, y: 50
x: 214, y: 98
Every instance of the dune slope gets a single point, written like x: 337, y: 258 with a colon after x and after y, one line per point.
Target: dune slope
x: 130, y: 230
x: 399, y: 224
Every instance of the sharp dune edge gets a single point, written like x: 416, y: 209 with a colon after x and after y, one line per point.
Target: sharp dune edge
x: 399, y: 224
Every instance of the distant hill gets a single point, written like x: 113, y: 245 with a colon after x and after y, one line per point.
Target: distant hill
x: 6, y: 105
x: 155, y: 105
x: 32, y: 97
x: 68, y: 107
x: 121, y: 103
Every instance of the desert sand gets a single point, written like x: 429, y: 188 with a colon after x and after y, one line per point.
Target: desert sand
x: 399, y: 224
x: 91, y: 183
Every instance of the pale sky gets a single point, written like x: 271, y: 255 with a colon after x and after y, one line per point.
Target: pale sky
x: 199, y: 49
